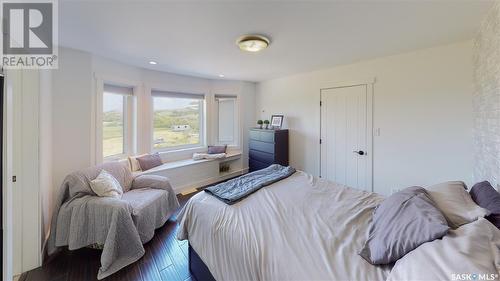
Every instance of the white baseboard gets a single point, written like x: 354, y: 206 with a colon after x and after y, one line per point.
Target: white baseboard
x: 186, y: 188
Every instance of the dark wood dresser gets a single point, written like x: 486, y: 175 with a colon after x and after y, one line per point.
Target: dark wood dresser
x: 267, y: 147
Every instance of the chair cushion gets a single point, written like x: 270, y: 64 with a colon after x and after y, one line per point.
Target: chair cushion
x: 149, y: 209
x: 140, y: 199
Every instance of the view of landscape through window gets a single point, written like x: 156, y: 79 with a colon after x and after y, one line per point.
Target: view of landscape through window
x: 112, y: 124
x: 176, y: 121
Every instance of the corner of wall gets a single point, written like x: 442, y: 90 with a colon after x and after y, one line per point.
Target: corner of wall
x: 486, y: 98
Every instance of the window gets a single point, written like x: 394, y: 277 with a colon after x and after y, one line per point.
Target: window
x: 115, y: 120
x: 227, y: 119
x: 178, y: 120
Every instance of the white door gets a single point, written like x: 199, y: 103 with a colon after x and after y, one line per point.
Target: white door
x: 345, y: 141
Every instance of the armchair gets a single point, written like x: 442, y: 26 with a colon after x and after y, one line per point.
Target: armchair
x: 120, y: 225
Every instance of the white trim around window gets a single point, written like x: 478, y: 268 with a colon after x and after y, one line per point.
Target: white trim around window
x: 129, y: 93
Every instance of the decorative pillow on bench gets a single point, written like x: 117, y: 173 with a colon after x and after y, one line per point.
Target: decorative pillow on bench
x: 217, y: 149
x: 149, y: 161
x: 134, y: 164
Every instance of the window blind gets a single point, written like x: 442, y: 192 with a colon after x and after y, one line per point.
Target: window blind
x: 226, y: 119
x: 222, y: 97
x: 121, y: 90
x: 179, y: 95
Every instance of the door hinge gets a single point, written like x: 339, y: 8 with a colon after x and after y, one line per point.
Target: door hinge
x: 320, y: 141
x: 14, y: 178
x: 320, y: 103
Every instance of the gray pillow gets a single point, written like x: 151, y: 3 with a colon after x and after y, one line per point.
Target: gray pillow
x: 401, y: 223
x: 149, y: 161
x: 216, y: 149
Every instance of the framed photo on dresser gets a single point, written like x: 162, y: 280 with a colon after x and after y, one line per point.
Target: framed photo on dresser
x: 276, y: 121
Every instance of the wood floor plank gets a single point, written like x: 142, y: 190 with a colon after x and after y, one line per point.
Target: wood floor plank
x: 179, y: 260
x: 170, y: 274
x: 158, y: 249
x: 184, y: 249
x: 147, y: 265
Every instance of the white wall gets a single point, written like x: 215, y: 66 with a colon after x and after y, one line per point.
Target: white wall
x: 422, y: 105
x: 486, y: 102
x: 71, y: 116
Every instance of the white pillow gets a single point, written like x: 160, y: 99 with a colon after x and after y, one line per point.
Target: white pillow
x: 134, y: 164
x: 455, y: 202
x: 105, y: 185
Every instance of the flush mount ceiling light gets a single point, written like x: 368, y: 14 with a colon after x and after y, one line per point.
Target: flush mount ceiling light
x: 252, y: 43
x: 152, y: 62
x: 222, y: 75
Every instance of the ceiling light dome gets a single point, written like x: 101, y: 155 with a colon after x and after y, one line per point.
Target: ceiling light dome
x: 252, y: 43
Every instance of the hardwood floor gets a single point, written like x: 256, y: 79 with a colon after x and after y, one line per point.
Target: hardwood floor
x: 166, y: 259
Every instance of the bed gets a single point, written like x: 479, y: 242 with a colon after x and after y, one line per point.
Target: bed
x: 305, y: 228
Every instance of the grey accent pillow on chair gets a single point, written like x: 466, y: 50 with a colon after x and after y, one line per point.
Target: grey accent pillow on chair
x: 401, y: 223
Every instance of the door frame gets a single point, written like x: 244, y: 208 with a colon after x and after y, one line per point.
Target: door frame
x: 369, y: 83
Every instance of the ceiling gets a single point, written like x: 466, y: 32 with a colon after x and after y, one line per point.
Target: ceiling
x: 198, y: 38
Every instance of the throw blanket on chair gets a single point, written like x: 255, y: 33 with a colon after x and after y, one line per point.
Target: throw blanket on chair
x: 81, y: 218
x: 237, y: 189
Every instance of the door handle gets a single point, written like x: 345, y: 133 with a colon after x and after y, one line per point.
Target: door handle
x: 361, y: 152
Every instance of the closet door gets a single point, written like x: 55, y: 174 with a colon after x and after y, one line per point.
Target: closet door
x: 344, y: 127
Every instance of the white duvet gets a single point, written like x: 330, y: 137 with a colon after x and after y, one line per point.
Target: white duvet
x: 470, y: 252
x: 300, y: 228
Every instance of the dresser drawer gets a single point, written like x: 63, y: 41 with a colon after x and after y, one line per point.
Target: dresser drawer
x: 262, y: 135
x: 254, y: 135
x: 267, y: 136
x: 254, y: 165
x: 261, y: 156
x: 262, y: 146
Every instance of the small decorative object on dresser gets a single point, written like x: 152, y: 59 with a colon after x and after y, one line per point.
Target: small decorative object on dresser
x: 267, y: 147
x: 276, y: 121
x: 266, y: 122
x: 260, y: 122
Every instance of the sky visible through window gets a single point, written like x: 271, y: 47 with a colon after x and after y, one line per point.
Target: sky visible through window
x: 171, y: 103
x: 112, y: 102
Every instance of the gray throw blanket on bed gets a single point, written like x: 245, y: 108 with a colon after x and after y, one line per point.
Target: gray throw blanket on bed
x: 120, y: 226
x: 236, y: 189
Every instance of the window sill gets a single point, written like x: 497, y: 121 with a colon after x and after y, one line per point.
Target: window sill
x: 231, y: 155
x: 179, y: 149
x: 119, y: 157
